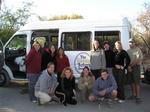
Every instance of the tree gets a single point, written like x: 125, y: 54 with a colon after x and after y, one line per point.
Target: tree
x: 142, y: 29
x: 10, y: 21
x: 144, y: 17
x: 61, y: 17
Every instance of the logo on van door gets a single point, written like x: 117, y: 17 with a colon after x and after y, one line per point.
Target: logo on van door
x: 81, y: 60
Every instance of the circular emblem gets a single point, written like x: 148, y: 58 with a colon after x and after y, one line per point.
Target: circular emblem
x: 81, y: 60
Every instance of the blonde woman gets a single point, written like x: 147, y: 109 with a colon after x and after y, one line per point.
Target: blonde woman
x: 97, y: 59
x: 122, y: 62
x: 85, y: 84
x: 67, y: 87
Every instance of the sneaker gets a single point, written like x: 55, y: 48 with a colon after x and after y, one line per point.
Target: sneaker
x: 115, y: 99
x: 34, y: 101
x: 131, y: 98
x: 109, y: 101
x: 121, y: 101
x: 101, y: 99
x: 138, y: 100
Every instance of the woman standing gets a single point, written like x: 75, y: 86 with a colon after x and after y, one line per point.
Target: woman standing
x: 97, y: 59
x: 122, y: 61
x: 85, y: 84
x: 33, y: 66
x: 62, y: 62
x: 67, y: 87
x: 48, y: 55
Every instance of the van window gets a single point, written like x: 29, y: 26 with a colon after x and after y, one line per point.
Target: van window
x: 76, y: 41
x: 111, y: 36
x: 51, y: 36
x: 17, y: 45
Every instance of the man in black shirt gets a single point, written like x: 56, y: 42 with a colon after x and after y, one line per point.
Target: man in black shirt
x: 109, y: 56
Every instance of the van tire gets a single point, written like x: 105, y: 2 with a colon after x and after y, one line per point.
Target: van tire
x: 4, y: 78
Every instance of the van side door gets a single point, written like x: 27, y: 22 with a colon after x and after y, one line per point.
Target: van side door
x: 15, y: 52
x: 77, y: 46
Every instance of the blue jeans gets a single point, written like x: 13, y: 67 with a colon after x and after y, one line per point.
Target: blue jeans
x: 32, y: 79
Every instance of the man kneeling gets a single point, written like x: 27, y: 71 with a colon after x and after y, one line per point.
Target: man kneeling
x: 46, y: 85
x: 105, y: 86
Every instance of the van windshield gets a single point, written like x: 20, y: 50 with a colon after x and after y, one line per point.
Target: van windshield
x: 18, y: 42
x: 17, y: 46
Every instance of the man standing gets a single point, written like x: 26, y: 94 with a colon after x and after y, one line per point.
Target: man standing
x: 136, y: 57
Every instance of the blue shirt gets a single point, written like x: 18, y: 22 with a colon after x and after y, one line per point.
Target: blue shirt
x: 109, y: 85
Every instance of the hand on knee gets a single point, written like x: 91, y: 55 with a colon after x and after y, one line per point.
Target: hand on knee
x: 114, y: 93
x: 92, y: 98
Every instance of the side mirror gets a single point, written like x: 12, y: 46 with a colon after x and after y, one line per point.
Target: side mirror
x: 1, y: 61
x: 1, y: 46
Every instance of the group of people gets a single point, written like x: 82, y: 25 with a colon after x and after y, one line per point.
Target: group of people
x: 118, y: 64
x: 50, y: 77
x: 44, y: 84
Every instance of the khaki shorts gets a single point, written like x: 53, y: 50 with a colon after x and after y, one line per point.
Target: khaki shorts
x: 134, y: 76
x: 43, y: 97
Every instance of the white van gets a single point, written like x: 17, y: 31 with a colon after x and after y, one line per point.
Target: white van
x: 75, y: 36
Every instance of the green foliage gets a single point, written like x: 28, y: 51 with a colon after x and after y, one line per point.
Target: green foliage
x: 10, y: 21
x: 61, y: 17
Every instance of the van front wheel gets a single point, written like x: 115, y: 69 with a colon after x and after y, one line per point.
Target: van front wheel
x: 4, y: 78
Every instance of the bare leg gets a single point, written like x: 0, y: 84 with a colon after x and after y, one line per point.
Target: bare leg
x: 137, y: 90
x: 133, y: 87
x: 138, y: 99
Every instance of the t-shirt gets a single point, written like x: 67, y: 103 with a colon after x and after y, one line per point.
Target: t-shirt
x: 109, y: 55
x: 134, y: 54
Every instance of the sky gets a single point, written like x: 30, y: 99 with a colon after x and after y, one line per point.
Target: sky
x: 89, y: 9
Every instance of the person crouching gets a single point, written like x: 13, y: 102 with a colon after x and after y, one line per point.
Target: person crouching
x: 46, y: 85
x: 105, y: 86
